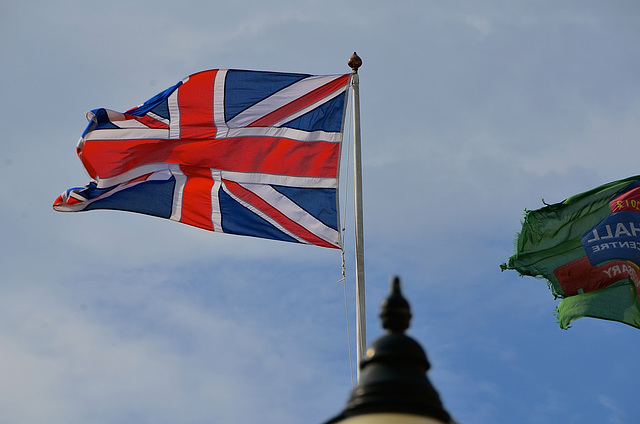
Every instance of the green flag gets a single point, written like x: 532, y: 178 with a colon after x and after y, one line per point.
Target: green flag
x: 588, y: 249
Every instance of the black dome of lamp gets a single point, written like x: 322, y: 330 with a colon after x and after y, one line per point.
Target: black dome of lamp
x: 393, y: 386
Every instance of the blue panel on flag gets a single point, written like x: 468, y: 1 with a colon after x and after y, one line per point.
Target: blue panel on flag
x: 100, y: 121
x: 319, y: 202
x: 236, y: 219
x: 246, y: 88
x: 157, y: 104
x: 327, y: 117
x: 150, y: 197
x: 615, y: 237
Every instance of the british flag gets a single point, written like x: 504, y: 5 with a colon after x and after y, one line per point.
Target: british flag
x: 240, y: 152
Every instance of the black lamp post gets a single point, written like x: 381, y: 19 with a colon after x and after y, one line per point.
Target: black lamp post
x: 393, y: 386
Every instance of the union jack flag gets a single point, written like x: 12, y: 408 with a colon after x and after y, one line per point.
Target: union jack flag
x: 240, y: 152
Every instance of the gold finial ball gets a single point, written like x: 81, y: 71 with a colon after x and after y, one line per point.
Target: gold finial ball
x: 354, y: 62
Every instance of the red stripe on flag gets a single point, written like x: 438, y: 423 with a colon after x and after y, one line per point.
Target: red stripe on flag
x: 140, y: 178
x: 109, y: 158
x: 195, y: 98
x: 275, y: 214
x: 301, y: 102
x: 148, y: 121
x: 69, y: 201
x: 196, y: 197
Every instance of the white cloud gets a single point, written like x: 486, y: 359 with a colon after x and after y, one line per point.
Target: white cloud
x: 616, y: 413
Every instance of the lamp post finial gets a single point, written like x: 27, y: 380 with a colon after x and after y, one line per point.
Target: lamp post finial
x: 395, y: 312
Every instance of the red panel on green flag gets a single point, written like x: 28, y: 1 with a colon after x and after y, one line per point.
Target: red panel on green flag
x: 588, y: 249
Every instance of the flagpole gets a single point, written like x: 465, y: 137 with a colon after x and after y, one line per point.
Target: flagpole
x: 361, y: 338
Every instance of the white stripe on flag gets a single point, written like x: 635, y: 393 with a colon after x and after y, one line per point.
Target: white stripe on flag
x: 216, y: 213
x: 263, y: 215
x: 159, y: 118
x: 218, y: 104
x: 174, y: 115
x: 280, y: 132
x: 279, y: 99
x: 282, y: 180
x: 156, y: 167
x: 176, y: 205
x: 127, y: 134
x: 129, y: 123
x: 301, y: 112
x: 294, y: 212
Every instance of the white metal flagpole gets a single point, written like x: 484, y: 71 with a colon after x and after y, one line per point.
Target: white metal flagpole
x: 361, y: 332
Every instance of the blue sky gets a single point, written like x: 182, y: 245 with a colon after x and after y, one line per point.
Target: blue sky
x: 471, y: 112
